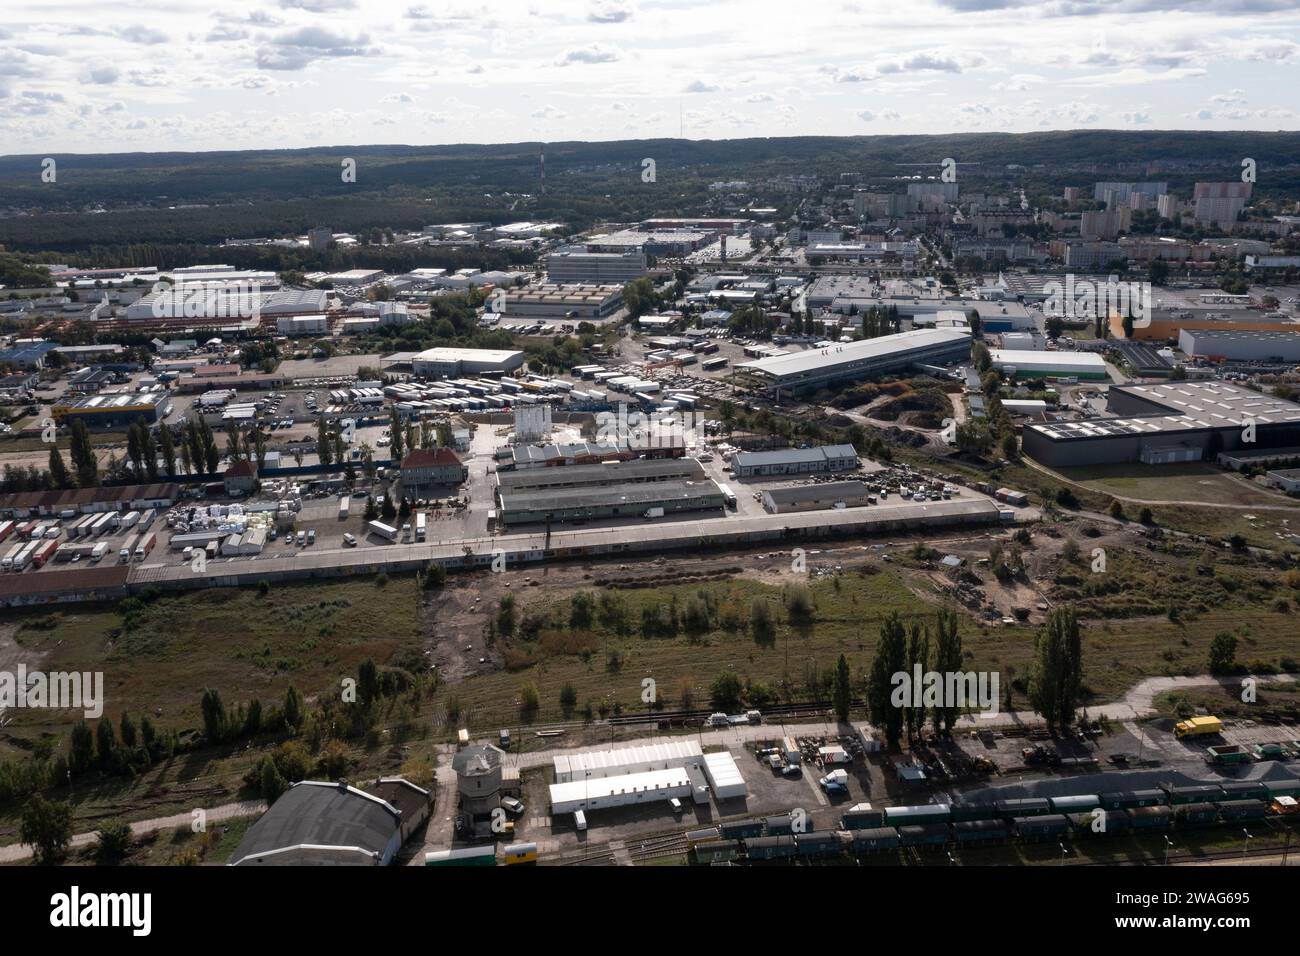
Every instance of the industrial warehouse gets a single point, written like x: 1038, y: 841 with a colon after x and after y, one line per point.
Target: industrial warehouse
x: 833, y: 494
x: 643, y: 774
x: 638, y: 471
x: 114, y: 410
x: 444, y: 362
x: 1241, y: 345
x: 791, y: 462
x: 856, y: 361
x: 1166, y: 423
x: 648, y: 499
x: 1027, y: 363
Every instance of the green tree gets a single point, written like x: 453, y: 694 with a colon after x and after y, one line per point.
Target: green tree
x: 293, y: 707
x: 843, y: 694
x: 273, y: 784
x: 724, y: 692
x: 890, y: 659
x: 168, y: 449
x: 214, y: 716
x: 47, y: 828
x: 83, y: 456
x: 114, y: 841
x: 1056, y: 672
x: 81, y: 748
x: 568, y: 700
x: 1223, y: 653
x: 59, y: 476
x: 948, y: 659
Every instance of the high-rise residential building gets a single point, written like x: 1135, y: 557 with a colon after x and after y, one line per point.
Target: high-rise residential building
x: 1219, y: 204
x: 1105, y: 223
x: 1168, y: 206
x: 1123, y: 190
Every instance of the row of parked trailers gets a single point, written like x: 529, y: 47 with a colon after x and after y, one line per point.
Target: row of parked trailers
x: 866, y: 830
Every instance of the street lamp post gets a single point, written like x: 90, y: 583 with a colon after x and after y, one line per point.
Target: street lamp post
x: 1064, y: 851
x: 1245, y: 847
x: 1169, y: 845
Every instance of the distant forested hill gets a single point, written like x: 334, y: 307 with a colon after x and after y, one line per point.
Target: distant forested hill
x: 270, y: 192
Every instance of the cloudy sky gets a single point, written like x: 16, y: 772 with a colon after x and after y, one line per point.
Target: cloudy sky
x: 83, y: 76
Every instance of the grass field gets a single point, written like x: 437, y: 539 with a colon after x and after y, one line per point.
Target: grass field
x: 241, y: 642
x: 1190, y: 481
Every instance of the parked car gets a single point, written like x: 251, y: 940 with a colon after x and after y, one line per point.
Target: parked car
x: 512, y: 805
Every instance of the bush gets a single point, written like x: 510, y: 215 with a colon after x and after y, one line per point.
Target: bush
x: 114, y: 841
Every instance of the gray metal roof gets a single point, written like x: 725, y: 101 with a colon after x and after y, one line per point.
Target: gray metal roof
x: 791, y: 456
x: 315, y: 822
x: 586, y: 475
x: 884, y: 346
x: 645, y: 493
x: 822, y: 492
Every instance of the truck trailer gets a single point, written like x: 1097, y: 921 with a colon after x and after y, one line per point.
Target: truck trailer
x: 382, y: 530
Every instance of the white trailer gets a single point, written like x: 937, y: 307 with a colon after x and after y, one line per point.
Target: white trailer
x: 420, y: 525
x: 345, y: 505
x: 382, y: 530
x: 7, y: 562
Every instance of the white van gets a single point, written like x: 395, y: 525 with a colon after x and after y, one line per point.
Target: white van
x: 579, y: 820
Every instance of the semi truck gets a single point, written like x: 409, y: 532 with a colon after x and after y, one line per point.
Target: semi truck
x: 382, y: 530
x: 44, y: 551
x: 1198, y: 727
x: 7, y: 562
x: 99, y: 551
x: 421, y: 520
x: 24, y: 557
x: 146, y: 518
x: 145, y: 544
x: 6, y: 529
x: 128, y: 547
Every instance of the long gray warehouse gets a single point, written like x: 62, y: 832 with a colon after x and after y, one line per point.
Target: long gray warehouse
x: 1165, y: 423
x: 1241, y: 345
x: 589, y: 476
x: 619, y: 501
x: 831, y: 494
x: 855, y: 361
x: 786, y: 462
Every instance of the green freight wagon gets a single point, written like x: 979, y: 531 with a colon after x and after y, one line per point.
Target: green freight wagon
x: 1228, y: 754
